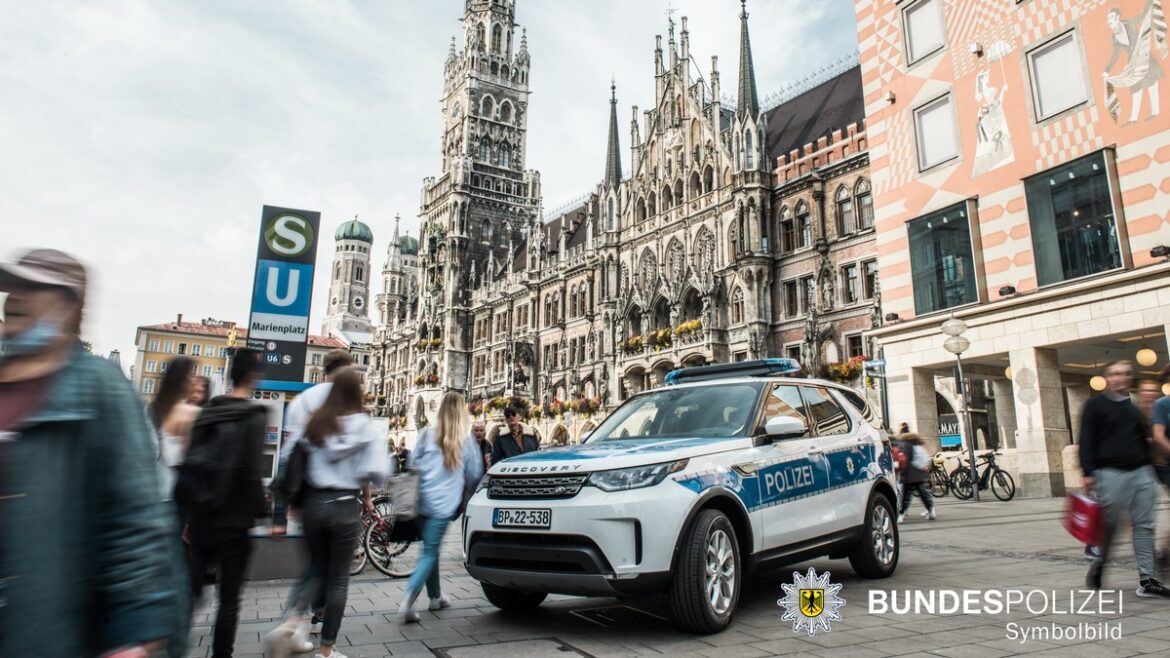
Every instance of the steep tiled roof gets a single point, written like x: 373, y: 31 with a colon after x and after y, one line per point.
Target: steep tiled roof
x: 831, y: 105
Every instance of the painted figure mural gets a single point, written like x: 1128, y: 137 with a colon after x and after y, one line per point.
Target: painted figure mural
x: 993, y: 140
x: 1143, y: 39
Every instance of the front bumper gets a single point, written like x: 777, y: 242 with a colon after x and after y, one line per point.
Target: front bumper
x: 598, y: 544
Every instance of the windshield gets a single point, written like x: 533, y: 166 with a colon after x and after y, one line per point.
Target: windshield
x: 717, y: 410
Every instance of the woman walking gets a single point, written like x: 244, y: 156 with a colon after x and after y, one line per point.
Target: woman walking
x: 916, y: 477
x: 173, y: 416
x: 448, y: 460
x: 345, y: 452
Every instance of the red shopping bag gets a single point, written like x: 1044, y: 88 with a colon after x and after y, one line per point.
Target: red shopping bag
x: 1083, y: 518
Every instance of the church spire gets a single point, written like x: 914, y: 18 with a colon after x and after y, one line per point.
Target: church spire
x: 613, y: 157
x: 749, y: 104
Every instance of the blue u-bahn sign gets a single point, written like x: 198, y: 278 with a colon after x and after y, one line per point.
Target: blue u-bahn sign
x: 282, y: 290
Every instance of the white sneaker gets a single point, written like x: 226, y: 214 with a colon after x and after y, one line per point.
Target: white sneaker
x: 439, y: 603
x: 335, y: 654
x: 930, y: 515
x: 406, y: 611
x: 300, y: 639
x: 278, y: 642
x: 901, y: 519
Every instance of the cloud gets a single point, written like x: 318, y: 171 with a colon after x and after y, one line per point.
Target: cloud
x: 144, y: 137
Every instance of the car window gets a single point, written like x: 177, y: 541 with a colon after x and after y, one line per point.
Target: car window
x: 826, y: 413
x: 784, y: 400
x: 699, y: 411
x: 863, y: 407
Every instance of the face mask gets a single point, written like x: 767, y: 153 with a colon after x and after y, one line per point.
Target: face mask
x: 34, y: 340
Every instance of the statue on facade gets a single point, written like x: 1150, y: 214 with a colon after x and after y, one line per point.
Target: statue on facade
x: 826, y: 290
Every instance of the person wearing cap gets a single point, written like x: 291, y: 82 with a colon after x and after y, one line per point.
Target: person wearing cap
x: 89, y: 554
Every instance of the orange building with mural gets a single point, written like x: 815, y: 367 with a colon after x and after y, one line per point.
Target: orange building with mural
x: 1020, y: 156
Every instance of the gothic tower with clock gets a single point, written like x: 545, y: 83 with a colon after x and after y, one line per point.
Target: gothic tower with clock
x: 347, y: 316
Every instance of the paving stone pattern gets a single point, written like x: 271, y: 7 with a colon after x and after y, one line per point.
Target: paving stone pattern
x: 1019, y: 545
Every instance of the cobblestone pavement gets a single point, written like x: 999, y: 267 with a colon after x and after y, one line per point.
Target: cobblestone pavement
x: 1018, y: 545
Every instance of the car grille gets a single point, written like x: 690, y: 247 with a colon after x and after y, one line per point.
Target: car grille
x: 536, y: 487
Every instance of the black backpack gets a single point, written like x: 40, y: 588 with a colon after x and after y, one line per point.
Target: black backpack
x: 211, y: 467
x: 290, y: 484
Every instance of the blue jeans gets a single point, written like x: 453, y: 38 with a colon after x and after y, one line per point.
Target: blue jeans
x: 427, y: 569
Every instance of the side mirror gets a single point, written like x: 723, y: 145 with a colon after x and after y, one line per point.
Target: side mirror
x: 783, y: 427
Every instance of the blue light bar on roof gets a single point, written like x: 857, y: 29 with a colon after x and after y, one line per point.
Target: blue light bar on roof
x: 758, y: 368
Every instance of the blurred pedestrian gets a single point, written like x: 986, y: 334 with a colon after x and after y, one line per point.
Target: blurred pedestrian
x: 173, y: 416
x: 345, y: 454
x: 448, y: 461
x: 86, y: 547
x: 904, y: 428
x: 1115, y: 460
x: 519, y: 439
x: 1161, y: 452
x: 304, y: 597
x: 916, y: 476
x: 221, y: 495
x: 200, y: 390
x: 485, y: 447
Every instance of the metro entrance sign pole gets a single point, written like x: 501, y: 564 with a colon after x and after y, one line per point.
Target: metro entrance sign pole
x: 956, y: 344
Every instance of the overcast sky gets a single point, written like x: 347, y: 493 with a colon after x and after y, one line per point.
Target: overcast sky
x: 144, y: 136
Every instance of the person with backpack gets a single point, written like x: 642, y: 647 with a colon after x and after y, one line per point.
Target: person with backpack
x: 916, y: 475
x: 448, y: 461
x: 344, y: 454
x: 220, y: 493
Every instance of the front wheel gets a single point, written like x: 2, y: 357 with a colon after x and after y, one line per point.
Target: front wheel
x: 1002, y: 485
x: 510, y: 600
x: 939, y: 484
x: 705, y: 589
x: 394, y: 559
x: 961, y: 484
x: 876, y: 554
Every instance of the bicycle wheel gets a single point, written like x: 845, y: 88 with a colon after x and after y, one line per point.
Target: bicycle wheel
x: 394, y: 559
x: 940, y: 485
x: 961, y: 484
x: 1002, y: 485
x: 359, y: 558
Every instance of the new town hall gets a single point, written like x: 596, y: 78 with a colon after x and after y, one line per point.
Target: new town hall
x: 740, y: 232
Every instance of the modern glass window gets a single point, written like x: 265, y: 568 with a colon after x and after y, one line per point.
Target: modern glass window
x: 849, y: 284
x: 1074, y: 232
x: 941, y: 261
x: 934, y: 127
x: 1058, y: 80
x: 925, y: 29
x: 791, y: 299
x: 869, y: 279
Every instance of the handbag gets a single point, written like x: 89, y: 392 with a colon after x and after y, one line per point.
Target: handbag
x: 290, y: 484
x: 403, y: 491
x: 1083, y: 518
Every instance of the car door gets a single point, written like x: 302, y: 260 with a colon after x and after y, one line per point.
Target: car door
x: 849, y: 455
x: 793, y: 476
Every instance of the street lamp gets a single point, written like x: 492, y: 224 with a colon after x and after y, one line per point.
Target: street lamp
x: 956, y: 344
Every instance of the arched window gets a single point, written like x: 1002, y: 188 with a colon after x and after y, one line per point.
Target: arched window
x: 696, y: 185
x: 505, y: 154
x: 737, y: 306
x: 787, y: 231
x: 864, y: 205
x: 667, y: 198
x: 495, y: 68
x: 497, y: 35
x: 480, y: 37
x: 504, y: 72
x: 708, y: 179
x: 485, y: 149
x: 845, y: 222
x: 359, y: 273
x: 652, y: 205
x: 506, y: 109
x: 748, y: 149
x: 486, y: 106
x: 640, y: 215
x: 803, y: 226
x: 678, y: 192
x: 609, y: 214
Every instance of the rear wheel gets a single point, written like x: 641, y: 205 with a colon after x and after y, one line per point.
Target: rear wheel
x: 1002, y: 485
x: 508, y: 599
x: 939, y: 484
x: 705, y: 589
x: 394, y: 559
x: 876, y: 553
x: 961, y: 485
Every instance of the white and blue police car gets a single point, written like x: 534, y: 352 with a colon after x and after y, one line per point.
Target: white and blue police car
x: 684, y: 490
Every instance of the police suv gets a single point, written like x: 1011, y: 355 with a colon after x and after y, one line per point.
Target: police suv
x: 686, y: 489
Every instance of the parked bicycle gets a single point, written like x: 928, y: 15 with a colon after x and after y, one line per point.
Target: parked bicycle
x: 382, y: 509
x: 391, y: 558
x: 999, y: 480
x: 940, y: 479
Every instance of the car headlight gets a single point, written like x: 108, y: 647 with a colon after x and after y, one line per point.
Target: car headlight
x: 483, y: 483
x: 635, y: 478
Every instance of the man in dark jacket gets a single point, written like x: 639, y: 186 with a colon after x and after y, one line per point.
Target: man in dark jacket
x: 87, y: 546
x: 519, y: 438
x: 219, y: 535
x: 1115, y: 459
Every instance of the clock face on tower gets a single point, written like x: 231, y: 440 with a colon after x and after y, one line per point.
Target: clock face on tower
x: 358, y: 303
